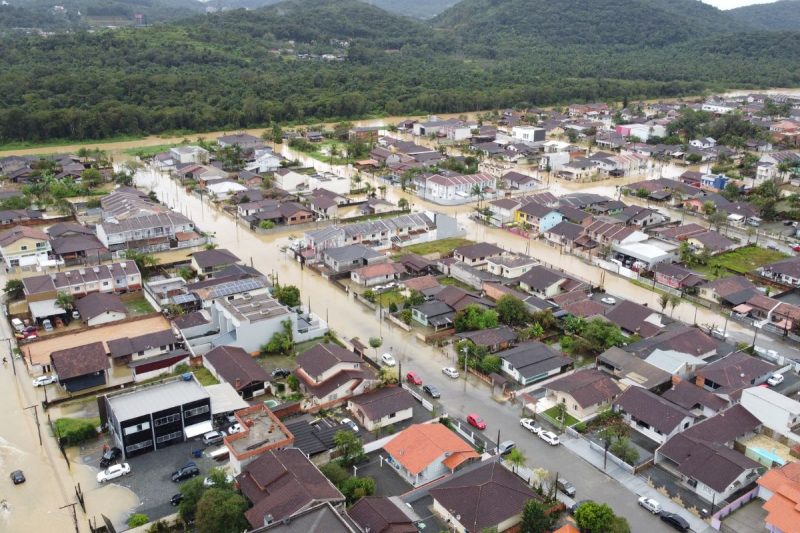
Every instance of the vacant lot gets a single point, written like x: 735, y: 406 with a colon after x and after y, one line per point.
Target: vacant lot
x: 740, y: 261
x: 443, y: 247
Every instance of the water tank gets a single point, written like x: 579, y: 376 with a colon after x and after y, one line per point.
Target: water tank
x: 186, y: 376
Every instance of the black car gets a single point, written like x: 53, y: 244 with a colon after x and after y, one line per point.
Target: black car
x: 575, y: 506
x: 675, y: 520
x: 187, y: 472
x: 176, y: 499
x: 110, y: 457
x: 17, y: 477
x: 281, y: 373
x: 431, y: 391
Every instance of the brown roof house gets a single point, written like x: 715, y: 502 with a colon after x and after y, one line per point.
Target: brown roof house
x: 80, y: 368
x: 382, y: 407
x: 101, y: 308
x: 584, y: 393
x: 207, y: 262
x: 533, y: 361
x: 424, y: 452
x: 148, y: 355
x: 372, y: 275
x: 329, y: 375
x: 654, y: 417
x: 237, y: 367
x: 379, y: 514
x: 727, y: 377
x: 489, y: 497
x: 476, y: 254
x: 697, y: 400
x: 635, y: 319
x: 281, y: 483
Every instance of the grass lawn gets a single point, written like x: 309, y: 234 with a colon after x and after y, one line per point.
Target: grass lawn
x: 739, y: 261
x: 317, y: 151
x: 442, y: 247
x: 456, y: 283
x: 149, y: 151
x: 204, y: 376
x: 388, y: 298
x: 569, y: 420
x: 25, y: 145
x: 140, y: 306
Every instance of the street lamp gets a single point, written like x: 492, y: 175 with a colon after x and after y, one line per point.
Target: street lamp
x: 466, y: 355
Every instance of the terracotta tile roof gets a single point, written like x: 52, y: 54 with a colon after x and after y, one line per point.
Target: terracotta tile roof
x: 587, y: 387
x: 379, y: 514
x: 18, y: 232
x: 383, y: 402
x: 236, y: 365
x: 79, y: 361
x: 421, y: 444
x: 421, y: 283
x: 381, y: 269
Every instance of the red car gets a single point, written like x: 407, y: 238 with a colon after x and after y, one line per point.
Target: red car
x: 412, y: 377
x: 796, y: 247
x: 476, y: 421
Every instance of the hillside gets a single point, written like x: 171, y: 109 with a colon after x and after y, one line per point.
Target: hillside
x: 248, y: 68
x: 781, y: 15
x: 421, y: 9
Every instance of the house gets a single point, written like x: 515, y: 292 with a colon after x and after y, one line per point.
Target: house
x: 224, y: 189
x: 641, y: 217
x: 350, y: 257
x: 237, y: 367
x: 477, y: 254
x: 780, y: 489
x: 101, y: 308
x: 245, y: 141
x: 379, y: 514
x: 769, y: 165
x: 456, y: 188
x: 774, y: 410
x: 680, y: 338
x: 15, y: 216
x: 786, y: 271
x: 376, y: 274
x: 265, y: 160
x: 416, y: 265
x: 677, y: 277
x: 149, y: 354
x: 711, y: 241
x: 329, y: 375
x: 435, y: 313
x: 376, y: 206
x: 584, y: 393
x: 289, y: 180
x: 149, y: 233
x: 74, y: 249
x: 577, y: 169
x: 281, y: 483
x: 635, y: 319
x: 154, y: 417
x: 631, y: 371
x: 382, y: 407
x: 731, y: 290
x: 261, y: 433
x: 528, y: 134
x: 24, y: 246
x: 654, y: 417
x: 729, y: 376
x: 564, y: 234
x: 538, y: 217
x: 189, y: 154
x: 81, y: 367
x: 675, y: 363
x: 324, y: 207
x: 319, y: 518
x: 207, y: 262
x: 383, y: 234
x: 509, y: 266
x: 424, y: 452
x: 696, y: 400
x: 533, y: 361
x: 422, y: 284
x: 503, y: 211
x: 519, y: 182
x: 487, y: 498
x: 542, y: 281
x: 493, y: 339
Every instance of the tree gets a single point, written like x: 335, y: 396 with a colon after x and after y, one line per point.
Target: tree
x: 709, y: 208
x: 281, y: 342
x: 490, y: 364
x: 414, y: 298
x: 221, y: 510
x: 402, y: 203
x: 288, y: 295
x: 277, y: 134
x: 375, y: 342
x: 718, y: 219
x: 348, y: 445
x: 674, y: 301
x: 663, y: 301
x: 192, y: 491
x: 512, y: 311
x: 15, y: 289
x: 535, y: 518
x: 65, y: 301
x: 355, y: 488
x: 561, y: 412
x: 137, y: 519
x: 623, y: 449
x: 516, y: 459
x: 186, y: 273
x: 594, y: 517
x: 335, y: 473
x: 91, y: 178
x: 145, y: 262
x: 473, y: 318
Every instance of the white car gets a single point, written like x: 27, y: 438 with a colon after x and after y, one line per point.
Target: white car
x: 236, y: 428
x: 608, y: 300
x: 41, y: 381
x: 650, y: 504
x: 449, y: 371
x: 353, y: 425
x: 388, y: 360
x: 550, y: 438
x: 113, y: 472
x: 530, y: 425
x: 208, y: 482
x: 775, y: 379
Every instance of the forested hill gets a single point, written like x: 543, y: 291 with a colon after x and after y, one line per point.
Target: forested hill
x: 247, y: 68
x: 781, y: 15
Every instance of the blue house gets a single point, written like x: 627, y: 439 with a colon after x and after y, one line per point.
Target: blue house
x: 714, y: 181
x: 538, y: 216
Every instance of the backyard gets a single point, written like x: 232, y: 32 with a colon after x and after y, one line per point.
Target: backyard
x: 739, y: 261
x: 553, y: 414
x: 138, y: 306
x: 443, y: 247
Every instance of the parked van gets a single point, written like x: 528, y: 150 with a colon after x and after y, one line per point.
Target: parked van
x: 47, y: 325
x: 19, y: 327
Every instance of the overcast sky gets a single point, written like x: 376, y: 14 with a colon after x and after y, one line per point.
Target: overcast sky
x: 730, y: 4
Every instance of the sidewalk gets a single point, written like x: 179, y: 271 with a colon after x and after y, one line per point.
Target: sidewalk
x: 635, y: 484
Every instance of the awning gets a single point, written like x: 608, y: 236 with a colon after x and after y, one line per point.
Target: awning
x: 198, y: 429
x: 743, y: 308
x: 45, y: 308
x: 224, y: 399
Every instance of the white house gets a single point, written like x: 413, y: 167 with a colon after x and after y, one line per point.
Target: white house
x: 528, y: 134
x: 265, y: 161
x: 289, y: 180
x: 382, y: 407
x: 651, y: 415
x: 189, y: 154
x: 775, y: 411
x: 225, y: 189
x: 453, y: 188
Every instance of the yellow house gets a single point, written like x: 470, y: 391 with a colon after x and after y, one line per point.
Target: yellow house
x: 24, y: 246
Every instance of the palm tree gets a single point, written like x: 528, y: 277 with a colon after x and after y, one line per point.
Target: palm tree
x: 516, y: 459
x: 673, y: 302
x: 357, y: 180
x: 65, y: 301
x: 663, y: 301
x: 382, y: 188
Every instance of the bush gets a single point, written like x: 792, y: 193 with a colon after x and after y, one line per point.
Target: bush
x: 73, y: 431
x: 138, y: 519
x: 355, y: 488
x: 405, y: 316
x: 335, y: 473
x: 369, y: 295
x: 266, y: 224
x: 580, y: 427
x: 293, y: 382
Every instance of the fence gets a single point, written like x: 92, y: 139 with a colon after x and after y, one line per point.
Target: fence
x: 611, y: 457
x: 716, y: 519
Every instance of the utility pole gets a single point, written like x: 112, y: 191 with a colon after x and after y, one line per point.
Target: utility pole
x: 36, y: 415
x: 74, y: 515
x: 11, y: 355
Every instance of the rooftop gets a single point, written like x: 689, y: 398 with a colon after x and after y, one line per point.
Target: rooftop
x: 145, y: 399
x: 384, y: 401
x: 262, y: 432
x: 254, y: 309
x: 419, y: 445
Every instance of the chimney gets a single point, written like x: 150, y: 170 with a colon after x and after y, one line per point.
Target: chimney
x: 675, y: 380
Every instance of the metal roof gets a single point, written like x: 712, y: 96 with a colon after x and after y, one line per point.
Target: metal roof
x: 156, y: 398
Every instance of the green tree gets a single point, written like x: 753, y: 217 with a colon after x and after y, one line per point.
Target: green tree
x: 335, y: 473
x: 92, y: 178
x: 192, y: 491
x: 277, y: 134
x: 473, y: 317
x: 512, y: 311
x: 516, y: 459
x: 623, y: 449
x: 414, y: 298
x: 663, y: 301
x: 402, y: 203
x: 15, y: 289
x: 281, y: 342
x: 594, y: 517
x: 144, y: 261
x: 355, y: 488
x: 375, y: 342
x: 348, y: 446
x: 65, y: 301
x: 288, y: 295
x: 490, y: 364
x: 186, y: 273
x: 221, y: 510
x: 535, y: 518
x: 137, y: 519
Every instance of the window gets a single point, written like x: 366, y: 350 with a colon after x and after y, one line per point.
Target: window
x: 195, y: 411
x: 137, y: 428
x: 167, y: 419
x: 138, y: 446
x: 169, y: 436
x: 23, y: 247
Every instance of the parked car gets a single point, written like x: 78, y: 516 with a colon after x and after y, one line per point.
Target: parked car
x: 76, y: 314
x: 566, y: 487
x: 550, y: 438
x: 773, y: 247
x: 353, y: 425
x: 47, y: 325
x: 775, y: 379
x: 796, y: 247
x: 18, y: 325
x: 608, y: 300
x: 176, y: 499
x: 213, y: 437
x: 110, y: 457
x: 187, y: 472
x: 431, y: 391
x: 281, y: 373
x: 388, y: 360
x: 575, y: 506
x: 675, y: 520
x: 412, y: 377
x: 113, y: 472
x: 209, y: 481
x: 506, y: 447
x: 530, y: 425
x: 650, y: 504
x: 476, y: 421
x: 449, y: 371
x: 236, y: 428
x: 41, y: 381
x: 17, y: 477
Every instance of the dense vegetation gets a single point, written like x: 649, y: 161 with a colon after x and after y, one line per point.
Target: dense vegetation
x: 782, y: 15
x: 238, y: 68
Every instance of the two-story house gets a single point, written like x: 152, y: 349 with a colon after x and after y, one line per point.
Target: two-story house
x: 329, y: 375
x: 24, y: 246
